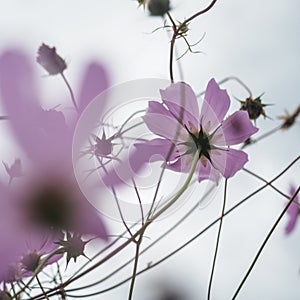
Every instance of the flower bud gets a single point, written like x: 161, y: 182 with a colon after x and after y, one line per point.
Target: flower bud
x: 254, y: 107
x: 50, y: 60
x: 158, y: 7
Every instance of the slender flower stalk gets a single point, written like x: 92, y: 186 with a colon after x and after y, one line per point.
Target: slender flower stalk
x: 265, y: 243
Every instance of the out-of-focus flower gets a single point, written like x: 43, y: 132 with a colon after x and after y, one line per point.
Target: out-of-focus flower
x: 15, y: 170
x: 44, y: 135
x: 10, y: 237
x: 289, y: 119
x: 179, y: 122
x: 22, y: 246
x: 36, y: 247
x: 292, y: 212
x: 50, y: 60
x: 4, y: 295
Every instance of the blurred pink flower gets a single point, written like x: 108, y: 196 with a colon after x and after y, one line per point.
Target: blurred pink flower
x: 22, y: 246
x: 46, y: 138
x: 36, y: 247
x: 179, y: 122
x: 292, y: 212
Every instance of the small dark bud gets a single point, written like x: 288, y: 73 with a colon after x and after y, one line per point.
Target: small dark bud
x: 103, y: 146
x: 73, y: 246
x: 254, y: 107
x: 50, y: 60
x: 158, y: 7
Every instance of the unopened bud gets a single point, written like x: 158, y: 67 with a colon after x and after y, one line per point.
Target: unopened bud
x: 254, y: 107
x: 50, y: 60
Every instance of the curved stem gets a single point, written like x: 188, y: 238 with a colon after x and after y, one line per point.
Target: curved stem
x: 71, y: 91
x: 177, y: 31
x: 264, y: 244
x: 117, y: 250
x: 41, y: 287
x: 38, y: 270
x: 137, y: 254
x: 218, y: 240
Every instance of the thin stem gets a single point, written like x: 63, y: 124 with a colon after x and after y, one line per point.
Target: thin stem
x: 181, y: 190
x: 4, y: 118
x: 232, y: 78
x: 268, y: 133
x: 116, y: 199
x: 117, y: 250
x: 136, y: 259
x: 179, y: 222
x: 140, y: 200
x: 264, y: 243
x: 38, y: 270
x: 177, y: 32
x: 41, y: 286
x: 218, y: 240
x: 272, y: 186
x: 71, y: 91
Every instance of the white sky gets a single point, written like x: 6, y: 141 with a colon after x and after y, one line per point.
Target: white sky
x: 257, y: 41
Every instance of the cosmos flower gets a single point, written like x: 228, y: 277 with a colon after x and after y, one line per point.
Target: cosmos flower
x: 183, y: 130
x: 49, y: 189
x: 35, y: 248
x: 292, y: 212
x: 10, y: 236
x: 22, y: 247
x: 178, y: 121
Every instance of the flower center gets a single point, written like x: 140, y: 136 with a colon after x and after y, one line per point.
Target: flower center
x: 200, y: 141
x: 51, y: 207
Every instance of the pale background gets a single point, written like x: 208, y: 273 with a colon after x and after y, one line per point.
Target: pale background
x: 255, y: 40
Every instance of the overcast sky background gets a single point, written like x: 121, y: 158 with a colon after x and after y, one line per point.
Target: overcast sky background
x: 258, y: 41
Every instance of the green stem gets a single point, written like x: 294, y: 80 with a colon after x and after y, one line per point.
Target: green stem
x: 264, y: 244
x: 218, y: 241
x: 71, y: 91
x: 40, y: 285
x: 137, y: 254
x: 37, y: 271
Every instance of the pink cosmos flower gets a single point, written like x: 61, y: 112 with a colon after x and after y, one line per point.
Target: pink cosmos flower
x: 293, y: 213
x: 180, y: 124
x: 46, y: 139
x: 36, y: 247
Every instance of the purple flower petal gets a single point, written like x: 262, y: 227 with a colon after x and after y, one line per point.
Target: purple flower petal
x: 228, y: 161
x: 18, y: 92
x: 206, y: 171
x: 162, y: 122
x: 94, y: 82
x: 293, y: 212
x: 237, y: 128
x: 181, y: 101
x: 150, y: 151
x: 215, y: 106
